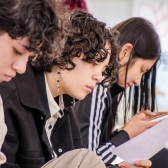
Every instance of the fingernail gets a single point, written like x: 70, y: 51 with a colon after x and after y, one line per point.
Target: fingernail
x: 137, y: 163
x: 122, y: 165
x: 153, y: 113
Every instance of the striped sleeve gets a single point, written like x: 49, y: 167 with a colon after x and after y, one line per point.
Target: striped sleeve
x: 92, y: 113
x: 98, y: 107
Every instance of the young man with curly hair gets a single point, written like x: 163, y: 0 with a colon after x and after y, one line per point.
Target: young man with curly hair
x: 26, y: 28
x: 41, y: 122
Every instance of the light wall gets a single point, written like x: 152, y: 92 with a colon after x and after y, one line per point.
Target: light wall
x: 110, y: 11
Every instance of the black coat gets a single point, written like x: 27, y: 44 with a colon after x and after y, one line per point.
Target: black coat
x: 26, y: 144
x: 160, y: 160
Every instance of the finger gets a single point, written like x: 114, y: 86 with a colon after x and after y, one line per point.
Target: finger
x: 160, y: 113
x: 143, y: 163
x: 141, y: 116
x: 149, y: 113
x: 139, y: 112
x: 144, y: 115
x: 151, y: 124
x: 146, y: 112
x: 127, y: 165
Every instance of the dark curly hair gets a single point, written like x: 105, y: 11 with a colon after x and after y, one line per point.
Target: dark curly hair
x: 33, y: 18
x: 84, y: 34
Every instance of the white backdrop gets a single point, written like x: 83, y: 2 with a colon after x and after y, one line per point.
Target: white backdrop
x: 157, y: 12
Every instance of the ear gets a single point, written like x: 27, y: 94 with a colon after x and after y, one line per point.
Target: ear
x: 125, y: 53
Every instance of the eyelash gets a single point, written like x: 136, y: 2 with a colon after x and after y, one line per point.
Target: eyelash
x: 17, y: 52
x: 94, y: 64
x: 103, y: 72
x: 142, y: 70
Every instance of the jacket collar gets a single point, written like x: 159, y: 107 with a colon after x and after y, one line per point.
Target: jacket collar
x: 28, y: 88
x: 32, y: 89
x: 68, y: 100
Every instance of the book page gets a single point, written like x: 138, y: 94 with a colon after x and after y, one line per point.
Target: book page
x: 145, y: 145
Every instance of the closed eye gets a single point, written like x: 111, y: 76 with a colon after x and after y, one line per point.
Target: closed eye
x: 142, y: 71
x: 17, y: 52
x: 105, y: 67
x: 95, y: 63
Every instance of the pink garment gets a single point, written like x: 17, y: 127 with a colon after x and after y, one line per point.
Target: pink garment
x: 73, y: 4
x: 77, y: 158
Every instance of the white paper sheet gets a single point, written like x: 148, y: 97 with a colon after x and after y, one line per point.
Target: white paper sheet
x: 145, y: 145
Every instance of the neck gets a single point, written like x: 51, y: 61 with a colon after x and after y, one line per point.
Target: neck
x: 51, y: 78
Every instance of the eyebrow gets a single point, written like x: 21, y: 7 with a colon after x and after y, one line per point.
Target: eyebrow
x: 25, y: 46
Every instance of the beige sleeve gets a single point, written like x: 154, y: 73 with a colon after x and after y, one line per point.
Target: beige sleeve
x: 78, y: 158
x: 3, y: 130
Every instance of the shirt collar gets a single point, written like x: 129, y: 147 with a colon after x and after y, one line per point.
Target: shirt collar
x: 53, y: 106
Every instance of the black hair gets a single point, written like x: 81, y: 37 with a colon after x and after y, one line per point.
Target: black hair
x: 146, y: 45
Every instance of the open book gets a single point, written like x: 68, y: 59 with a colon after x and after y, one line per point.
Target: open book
x: 145, y: 145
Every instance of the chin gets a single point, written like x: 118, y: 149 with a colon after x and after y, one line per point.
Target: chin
x: 79, y: 97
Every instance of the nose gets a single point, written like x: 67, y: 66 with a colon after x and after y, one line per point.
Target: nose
x: 19, y: 65
x: 97, y: 77
x: 137, y: 81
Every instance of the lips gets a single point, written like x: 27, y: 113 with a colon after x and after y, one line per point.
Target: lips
x: 128, y: 85
x: 90, y: 88
x: 9, y: 77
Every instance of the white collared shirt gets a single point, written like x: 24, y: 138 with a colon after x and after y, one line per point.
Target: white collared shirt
x: 54, y: 113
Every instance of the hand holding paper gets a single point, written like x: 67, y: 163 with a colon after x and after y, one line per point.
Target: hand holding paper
x: 138, y: 124
x: 159, y: 117
x: 145, y: 145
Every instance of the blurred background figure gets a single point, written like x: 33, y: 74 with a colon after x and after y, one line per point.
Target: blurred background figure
x: 64, y: 6
x: 73, y: 4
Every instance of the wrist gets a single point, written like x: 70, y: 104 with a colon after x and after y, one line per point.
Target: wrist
x: 120, y: 129
x: 128, y: 131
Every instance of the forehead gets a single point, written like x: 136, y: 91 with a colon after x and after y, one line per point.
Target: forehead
x: 5, y: 39
x: 147, y: 62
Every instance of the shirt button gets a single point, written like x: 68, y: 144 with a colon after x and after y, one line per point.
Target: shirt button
x: 59, y: 150
x: 49, y: 127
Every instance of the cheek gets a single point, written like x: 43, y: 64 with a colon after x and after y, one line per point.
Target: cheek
x: 5, y: 61
x: 68, y: 80
x: 121, y: 76
x: 80, y: 74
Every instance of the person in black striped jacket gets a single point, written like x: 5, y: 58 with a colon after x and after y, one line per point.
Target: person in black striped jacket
x: 138, y: 59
